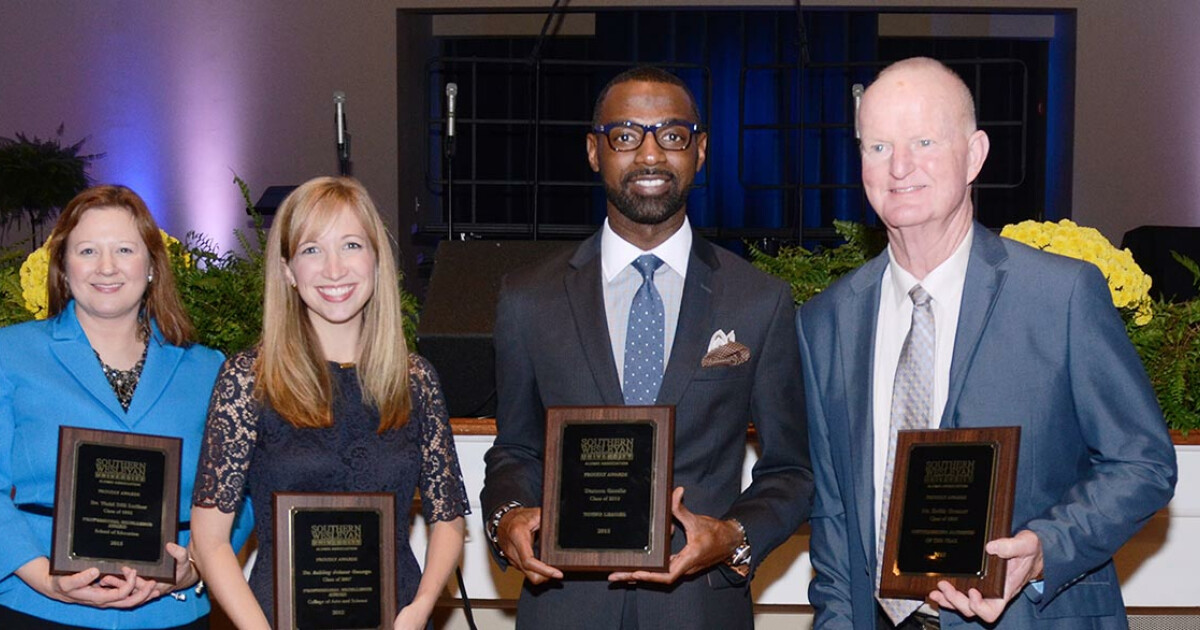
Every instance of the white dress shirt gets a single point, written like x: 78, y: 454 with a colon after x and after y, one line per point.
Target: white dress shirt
x: 621, y: 282
x: 945, y: 285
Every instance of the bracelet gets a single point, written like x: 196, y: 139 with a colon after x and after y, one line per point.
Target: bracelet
x: 199, y: 588
x: 181, y: 595
x: 493, y: 524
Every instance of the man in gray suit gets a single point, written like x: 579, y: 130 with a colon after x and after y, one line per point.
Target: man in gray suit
x: 729, y: 356
x: 1019, y: 338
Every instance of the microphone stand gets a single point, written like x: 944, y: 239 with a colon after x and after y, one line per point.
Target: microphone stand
x: 535, y: 59
x: 343, y: 133
x: 449, y: 153
x: 344, y: 156
x: 802, y: 42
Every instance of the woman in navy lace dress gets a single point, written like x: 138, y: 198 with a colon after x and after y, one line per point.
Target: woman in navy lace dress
x: 330, y: 401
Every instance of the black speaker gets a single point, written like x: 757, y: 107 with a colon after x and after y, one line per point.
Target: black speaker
x: 272, y: 198
x: 1151, y: 246
x: 455, y: 332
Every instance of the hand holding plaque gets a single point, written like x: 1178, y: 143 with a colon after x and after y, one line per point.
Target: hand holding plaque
x: 516, y: 534
x: 1023, y: 564
x: 952, y: 492
x: 116, y: 503
x: 606, y: 492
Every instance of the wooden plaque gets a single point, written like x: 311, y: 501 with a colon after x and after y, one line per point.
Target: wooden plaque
x: 952, y: 493
x: 606, y: 498
x: 335, y: 560
x: 116, y: 503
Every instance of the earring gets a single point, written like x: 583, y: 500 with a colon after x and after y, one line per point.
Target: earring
x: 150, y: 277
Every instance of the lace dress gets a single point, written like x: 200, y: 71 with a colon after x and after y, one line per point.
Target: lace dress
x: 249, y: 449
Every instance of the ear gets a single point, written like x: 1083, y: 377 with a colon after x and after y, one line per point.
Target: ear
x: 977, y: 151
x: 593, y: 149
x: 701, y: 150
x: 287, y: 272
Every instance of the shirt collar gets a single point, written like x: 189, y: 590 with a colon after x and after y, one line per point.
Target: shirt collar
x: 940, y: 283
x: 616, y: 253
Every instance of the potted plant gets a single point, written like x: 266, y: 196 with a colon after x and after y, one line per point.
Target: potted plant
x: 38, y: 177
x: 1169, y: 345
x: 810, y: 271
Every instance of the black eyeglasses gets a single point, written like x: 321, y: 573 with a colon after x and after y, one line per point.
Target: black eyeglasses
x: 671, y: 135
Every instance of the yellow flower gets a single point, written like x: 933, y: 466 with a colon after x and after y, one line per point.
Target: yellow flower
x: 1143, y: 316
x: 36, y: 269
x: 1127, y: 283
x: 175, y: 249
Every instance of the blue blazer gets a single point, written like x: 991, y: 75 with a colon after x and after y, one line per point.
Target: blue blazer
x: 1039, y: 346
x: 50, y: 376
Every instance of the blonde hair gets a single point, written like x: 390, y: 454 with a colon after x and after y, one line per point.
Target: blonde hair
x: 161, y: 302
x: 292, y: 374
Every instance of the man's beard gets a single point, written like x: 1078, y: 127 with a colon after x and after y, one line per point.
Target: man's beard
x: 647, y: 210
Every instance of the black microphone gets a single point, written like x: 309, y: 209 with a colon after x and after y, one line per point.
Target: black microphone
x: 451, y: 99
x: 343, y: 134
x: 856, y: 91
x: 339, y: 103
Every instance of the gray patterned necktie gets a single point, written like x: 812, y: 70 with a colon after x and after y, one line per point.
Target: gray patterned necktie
x: 644, y: 338
x: 912, y: 403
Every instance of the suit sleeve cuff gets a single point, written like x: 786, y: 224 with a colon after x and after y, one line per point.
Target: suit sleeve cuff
x: 492, y: 524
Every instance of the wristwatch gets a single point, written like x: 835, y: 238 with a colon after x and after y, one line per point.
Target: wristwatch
x: 740, y: 560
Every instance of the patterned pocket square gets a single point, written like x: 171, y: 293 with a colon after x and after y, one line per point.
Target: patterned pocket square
x: 730, y: 354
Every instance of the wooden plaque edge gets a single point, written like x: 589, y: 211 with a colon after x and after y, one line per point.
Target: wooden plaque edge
x: 69, y: 438
x: 658, y: 559
x: 892, y: 584
x: 285, y: 502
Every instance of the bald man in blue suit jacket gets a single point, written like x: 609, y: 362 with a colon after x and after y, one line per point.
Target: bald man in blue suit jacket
x: 1036, y: 343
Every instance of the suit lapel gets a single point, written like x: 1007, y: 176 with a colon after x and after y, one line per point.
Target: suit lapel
x: 73, y: 351
x: 856, y: 334
x: 701, y: 291
x: 984, y: 281
x: 586, y: 297
x: 161, y: 361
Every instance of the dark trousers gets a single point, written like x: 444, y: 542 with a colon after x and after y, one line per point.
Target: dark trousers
x: 13, y: 620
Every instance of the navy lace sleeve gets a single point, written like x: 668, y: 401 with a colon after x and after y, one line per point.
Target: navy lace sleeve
x: 443, y: 494
x: 229, y: 436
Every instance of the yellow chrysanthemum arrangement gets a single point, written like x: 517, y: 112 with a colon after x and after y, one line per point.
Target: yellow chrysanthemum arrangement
x: 1129, y: 285
x: 36, y: 269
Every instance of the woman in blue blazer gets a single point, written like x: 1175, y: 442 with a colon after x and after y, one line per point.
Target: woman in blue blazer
x: 115, y: 354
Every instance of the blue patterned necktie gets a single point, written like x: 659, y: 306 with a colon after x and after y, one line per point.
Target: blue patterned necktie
x: 644, y: 338
x: 912, y: 403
